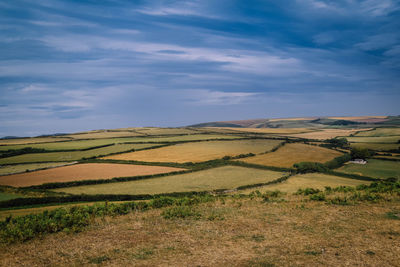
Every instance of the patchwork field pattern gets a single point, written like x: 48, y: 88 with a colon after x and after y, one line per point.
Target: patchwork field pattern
x: 33, y: 140
x: 381, y: 139
x: 326, y: 133
x: 311, y: 180
x: 74, y: 155
x: 374, y: 168
x: 165, y: 131
x: 10, y: 169
x: 289, y: 154
x: 272, y: 130
x: 227, y: 177
x: 380, y: 132
x: 199, y: 151
x: 88, y: 171
x: 103, y: 134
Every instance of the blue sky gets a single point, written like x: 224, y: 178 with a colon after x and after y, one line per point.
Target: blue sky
x: 68, y: 66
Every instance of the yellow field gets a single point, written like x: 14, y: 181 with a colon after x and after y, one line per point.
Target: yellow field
x: 199, y: 151
x: 326, y: 133
x: 311, y: 180
x: 289, y: 154
x: 272, y: 130
x: 103, y: 134
x: 165, y: 131
x: 227, y: 177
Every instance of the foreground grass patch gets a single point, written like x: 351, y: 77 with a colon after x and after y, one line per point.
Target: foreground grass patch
x: 227, y: 177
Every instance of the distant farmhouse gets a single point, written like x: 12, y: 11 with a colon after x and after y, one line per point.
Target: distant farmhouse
x: 359, y: 161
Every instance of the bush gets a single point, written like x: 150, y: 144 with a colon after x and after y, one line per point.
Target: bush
x: 318, y: 197
x: 180, y: 212
x: 306, y: 167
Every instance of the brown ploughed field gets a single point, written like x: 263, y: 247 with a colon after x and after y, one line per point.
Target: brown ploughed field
x: 88, y: 171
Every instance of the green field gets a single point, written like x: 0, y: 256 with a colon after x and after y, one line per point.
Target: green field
x: 7, y: 196
x: 164, y: 131
x: 227, y: 177
x: 374, y: 168
x: 84, y: 144
x: 311, y: 180
x: 10, y: 169
x: 71, y: 156
x: 379, y: 139
x: 32, y: 140
x: 380, y: 132
x: 376, y: 146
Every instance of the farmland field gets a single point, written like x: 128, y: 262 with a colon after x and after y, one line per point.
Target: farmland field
x: 89, y: 171
x: 227, y: 177
x: 311, y: 180
x: 7, y: 196
x: 32, y: 140
x: 10, y: 169
x: 199, y: 151
x: 272, y: 130
x: 165, y: 131
x: 376, y: 146
x: 374, y: 168
x: 289, y: 154
x: 71, y: 156
x: 380, y: 139
x: 325, y: 133
x: 103, y: 134
x: 380, y: 132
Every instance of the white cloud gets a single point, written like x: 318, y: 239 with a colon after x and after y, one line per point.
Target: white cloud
x: 207, y: 97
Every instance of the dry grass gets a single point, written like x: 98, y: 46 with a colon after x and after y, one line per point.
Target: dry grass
x: 227, y: 177
x: 326, y: 133
x: 88, y: 171
x: 103, y: 134
x: 244, y: 233
x: 311, y: 180
x: 165, y: 131
x: 199, y: 151
x: 289, y: 154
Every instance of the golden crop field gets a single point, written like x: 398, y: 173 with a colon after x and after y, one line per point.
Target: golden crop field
x: 272, y: 130
x: 380, y: 132
x: 77, y: 172
x: 310, y: 180
x: 103, y: 134
x: 10, y: 169
x: 164, y: 131
x: 227, y: 177
x: 289, y: 154
x: 326, y: 133
x: 73, y: 155
x: 199, y: 151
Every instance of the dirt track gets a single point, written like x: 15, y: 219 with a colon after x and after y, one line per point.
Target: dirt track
x: 89, y: 171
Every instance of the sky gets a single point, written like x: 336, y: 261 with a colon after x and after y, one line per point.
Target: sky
x: 68, y: 66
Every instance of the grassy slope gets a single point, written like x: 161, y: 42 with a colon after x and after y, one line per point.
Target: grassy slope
x: 7, y: 196
x: 311, y: 180
x: 289, y: 154
x: 197, y: 152
x: 381, y: 132
x: 376, y: 146
x: 380, y: 139
x: 236, y: 232
x: 227, y: 177
x: 74, y: 155
x: 374, y: 168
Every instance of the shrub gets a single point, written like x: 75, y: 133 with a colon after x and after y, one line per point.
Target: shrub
x: 180, y: 212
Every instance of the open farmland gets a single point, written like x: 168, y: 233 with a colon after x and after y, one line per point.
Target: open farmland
x: 380, y: 139
x: 289, y: 154
x: 85, y: 144
x: 380, y: 132
x: 7, y: 196
x: 376, y: 146
x: 11, y: 169
x: 199, y: 151
x: 272, y: 130
x: 32, y: 140
x: 374, y: 168
x: 308, y: 180
x: 74, y: 155
x: 103, y: 134
x: 227, y: 177
x: 325, y: 133
x: 165, y: 131
x: 89, y: 171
